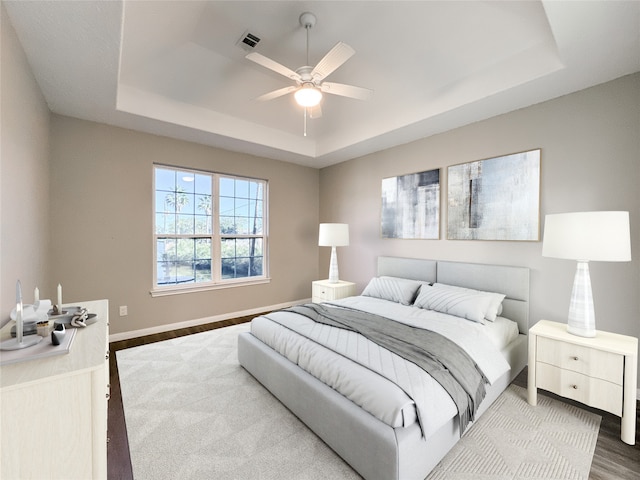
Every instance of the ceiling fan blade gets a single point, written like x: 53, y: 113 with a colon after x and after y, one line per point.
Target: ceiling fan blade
x: 315, y: 112
x: 276, y: 93
x: 339, y: 54
x: 272, y: 65
x: 347, y: 90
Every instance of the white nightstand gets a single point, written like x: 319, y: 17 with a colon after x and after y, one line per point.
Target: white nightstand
x: 324, y: 291
x: 600, y: 372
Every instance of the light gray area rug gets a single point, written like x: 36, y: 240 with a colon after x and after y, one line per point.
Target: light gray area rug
x: 514, y: 440
x: 193, y: 412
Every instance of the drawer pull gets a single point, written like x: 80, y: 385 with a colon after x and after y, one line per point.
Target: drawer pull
x: 575, y: 387
x: 574, y: 358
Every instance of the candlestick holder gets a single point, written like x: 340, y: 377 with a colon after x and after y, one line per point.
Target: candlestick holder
x: 20, y: 340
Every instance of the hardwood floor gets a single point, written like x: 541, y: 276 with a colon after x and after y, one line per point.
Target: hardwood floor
x: 612, y: 460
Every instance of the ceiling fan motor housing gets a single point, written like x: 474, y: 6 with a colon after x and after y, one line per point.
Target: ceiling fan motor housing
x: 305, y: 74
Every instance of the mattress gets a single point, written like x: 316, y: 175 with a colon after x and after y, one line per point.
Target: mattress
x: 380, y: 382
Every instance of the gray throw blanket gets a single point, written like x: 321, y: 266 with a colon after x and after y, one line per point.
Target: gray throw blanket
x: 441, y: 358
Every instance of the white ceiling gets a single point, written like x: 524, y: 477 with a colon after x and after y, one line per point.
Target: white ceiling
x: 175, y: 69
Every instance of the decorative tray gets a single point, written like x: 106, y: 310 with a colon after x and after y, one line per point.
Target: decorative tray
x: 43, y: 349
x: 67, y: 315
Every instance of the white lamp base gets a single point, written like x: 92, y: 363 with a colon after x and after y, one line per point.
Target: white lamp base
x: 582, y: 319
x: 333, y: 267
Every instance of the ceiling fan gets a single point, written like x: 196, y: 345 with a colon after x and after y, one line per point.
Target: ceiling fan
x: 310, y: 82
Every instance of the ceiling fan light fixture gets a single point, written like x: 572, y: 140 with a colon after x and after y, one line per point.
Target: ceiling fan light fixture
x: 308, y: 96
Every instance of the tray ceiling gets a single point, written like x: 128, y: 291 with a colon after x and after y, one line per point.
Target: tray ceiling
x: 176, y: 69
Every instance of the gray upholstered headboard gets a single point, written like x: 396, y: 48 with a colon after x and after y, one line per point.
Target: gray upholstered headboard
x: 511, y: 281
x: 412, y: 268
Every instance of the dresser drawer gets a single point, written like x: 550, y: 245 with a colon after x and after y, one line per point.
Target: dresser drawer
x: 588, y: 361
x: 582, y: 388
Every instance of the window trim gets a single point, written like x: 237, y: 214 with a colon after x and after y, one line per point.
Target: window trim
x: 217, y: 282
x: 195, y: 288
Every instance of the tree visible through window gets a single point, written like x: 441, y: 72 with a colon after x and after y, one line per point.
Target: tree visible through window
x: 209, y: 228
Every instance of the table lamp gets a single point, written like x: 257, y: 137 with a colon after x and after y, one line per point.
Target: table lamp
x: 585, y: 237
x: 333, y: 235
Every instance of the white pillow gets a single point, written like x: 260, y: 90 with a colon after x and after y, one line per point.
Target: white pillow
x: 495, y: 306
x: 471, y: 304
x: 400, y: 290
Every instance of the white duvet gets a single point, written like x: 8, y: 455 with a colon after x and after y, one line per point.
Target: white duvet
x: 380, y: 382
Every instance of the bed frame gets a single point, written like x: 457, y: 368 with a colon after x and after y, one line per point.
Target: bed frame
x: 375, y: 450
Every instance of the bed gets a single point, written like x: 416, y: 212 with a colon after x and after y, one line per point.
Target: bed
x: 383, y: 430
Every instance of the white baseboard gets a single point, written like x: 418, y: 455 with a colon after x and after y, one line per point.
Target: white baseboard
x: 200, y: 321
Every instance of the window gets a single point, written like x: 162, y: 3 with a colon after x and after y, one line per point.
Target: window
x: 209, y: 229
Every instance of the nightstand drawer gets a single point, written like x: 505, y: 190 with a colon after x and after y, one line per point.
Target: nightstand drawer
x: 321, y: 292
x: 588, y: 361
x: 582, y: 388
x: 325, y: 291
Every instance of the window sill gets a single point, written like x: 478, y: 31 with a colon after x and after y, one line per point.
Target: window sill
x: 192, y: 288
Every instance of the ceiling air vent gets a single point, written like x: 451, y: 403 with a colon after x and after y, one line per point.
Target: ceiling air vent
x: 248, y: 41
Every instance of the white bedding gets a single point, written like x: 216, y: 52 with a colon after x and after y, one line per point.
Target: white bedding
x: 501, y: 332
x: 361, y: 370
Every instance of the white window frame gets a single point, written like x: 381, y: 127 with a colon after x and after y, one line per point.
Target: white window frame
x: 217, y: 282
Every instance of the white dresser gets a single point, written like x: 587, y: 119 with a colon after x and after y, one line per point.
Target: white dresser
x: 325, y: 291
x: 600, y: 372
x: 54, y: 410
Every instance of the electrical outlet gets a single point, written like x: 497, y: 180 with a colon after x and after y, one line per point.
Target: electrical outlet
x: 123, y: 311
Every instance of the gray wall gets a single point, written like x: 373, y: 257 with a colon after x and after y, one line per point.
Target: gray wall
x: 95, y: 236
x: 590, y: 160
x: 101, y: 207
x: 24, y: 176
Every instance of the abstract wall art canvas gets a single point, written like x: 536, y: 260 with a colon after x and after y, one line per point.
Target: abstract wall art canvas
x: 495, y: 199
x: 411, y: 206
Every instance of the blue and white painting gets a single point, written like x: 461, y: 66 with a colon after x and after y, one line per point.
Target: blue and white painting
x: 411, y: 206
x: 495, y: 199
